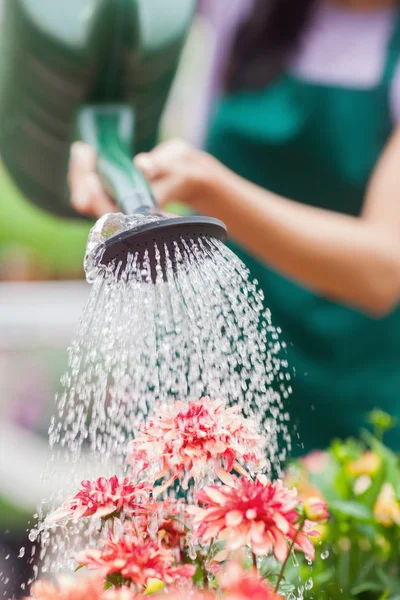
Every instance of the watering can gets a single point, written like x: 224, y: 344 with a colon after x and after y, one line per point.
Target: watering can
x: 96, y: 70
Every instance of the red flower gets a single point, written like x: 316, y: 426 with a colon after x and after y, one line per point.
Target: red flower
x: 245, y: 586
x: 69, y: 588
x: 186, y: 437
x: 136, y: 560
x: 103, y: 498
x: 164, y: 520
x: 259, y: 513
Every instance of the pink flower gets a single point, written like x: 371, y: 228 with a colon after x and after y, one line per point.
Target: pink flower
x: 184, y: 595
x: 136, y: 560
x: 186, y: 437
x: 76, y: 588
x: 172, y: 533
x: 123, y: 593
x: 103, y: 498
x: 259, y: 513
x: 167, y: 521
x: 315, y: 509
x: 69, y: 588
x: 316, y: 461
x: 239, y: 585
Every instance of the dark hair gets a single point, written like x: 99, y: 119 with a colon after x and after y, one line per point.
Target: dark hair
x: 264, y: 42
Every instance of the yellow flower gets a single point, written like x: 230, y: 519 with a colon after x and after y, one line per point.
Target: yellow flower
x: 367, y: 464
x: 153, y: 586
x: 387, y: 508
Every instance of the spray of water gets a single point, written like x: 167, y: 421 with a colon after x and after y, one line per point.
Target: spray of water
x: 200, y: 330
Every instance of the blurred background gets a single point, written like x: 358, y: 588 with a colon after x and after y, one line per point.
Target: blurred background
x: 42, y: 284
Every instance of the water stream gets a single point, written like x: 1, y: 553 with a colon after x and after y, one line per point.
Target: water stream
x: 203, y: 331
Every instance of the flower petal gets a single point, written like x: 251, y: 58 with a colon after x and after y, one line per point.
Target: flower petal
x: 233, y: 518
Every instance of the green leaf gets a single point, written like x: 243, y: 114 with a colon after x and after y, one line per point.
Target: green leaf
x: 367, y: 586
x: 390, y: 462
x: 325, y: 481
x: 268, y: 566
x: 343, y: 571
x: 366, y: 530
x: 198, y: 577
x: 367, y: 569
x: 352, y: 509
x: 370, y: 496
x: 390, y: 582
x: 78, y: 568
x: 116, y: 579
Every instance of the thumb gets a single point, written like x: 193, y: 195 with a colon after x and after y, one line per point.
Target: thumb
x: 82, y: 164
x: 149, y: 165
x: 87, y: 194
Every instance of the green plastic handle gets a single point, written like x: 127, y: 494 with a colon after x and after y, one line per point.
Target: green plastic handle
x: 110, y: 130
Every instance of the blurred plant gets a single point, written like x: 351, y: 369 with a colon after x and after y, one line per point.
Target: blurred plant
x: 358, y: 553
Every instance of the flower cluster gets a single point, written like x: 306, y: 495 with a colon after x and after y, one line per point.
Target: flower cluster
x: 177, y: 549
x: 189, y: 440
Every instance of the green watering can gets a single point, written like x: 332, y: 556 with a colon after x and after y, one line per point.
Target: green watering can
x: 100, y: 71
x: 97, y: 70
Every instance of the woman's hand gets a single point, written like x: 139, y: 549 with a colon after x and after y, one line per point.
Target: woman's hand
x: 87, y: 193
x: 175, y: 170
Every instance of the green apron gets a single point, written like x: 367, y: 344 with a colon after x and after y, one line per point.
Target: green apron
x: 318, y: 144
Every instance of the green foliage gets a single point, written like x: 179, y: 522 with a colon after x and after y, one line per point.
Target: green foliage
x: 358, y: 552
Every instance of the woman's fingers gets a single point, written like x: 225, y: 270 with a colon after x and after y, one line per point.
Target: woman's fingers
x: 166, y: 159
x: 175, y: 171
x: 172, y: 170
x: 146, y: 164
x: 87, y: 193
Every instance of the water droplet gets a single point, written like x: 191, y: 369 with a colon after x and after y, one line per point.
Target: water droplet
x: 21, y: 553
x: 294, y: 560
x: 309, y: 584
x: 325, y: 554
x: 33, y: 534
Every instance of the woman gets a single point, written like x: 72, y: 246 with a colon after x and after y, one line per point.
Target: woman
x: 302, y: 165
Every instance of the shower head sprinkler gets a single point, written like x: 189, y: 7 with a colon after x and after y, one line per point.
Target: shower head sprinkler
x: 154, y: 239
x: 159, y: 241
